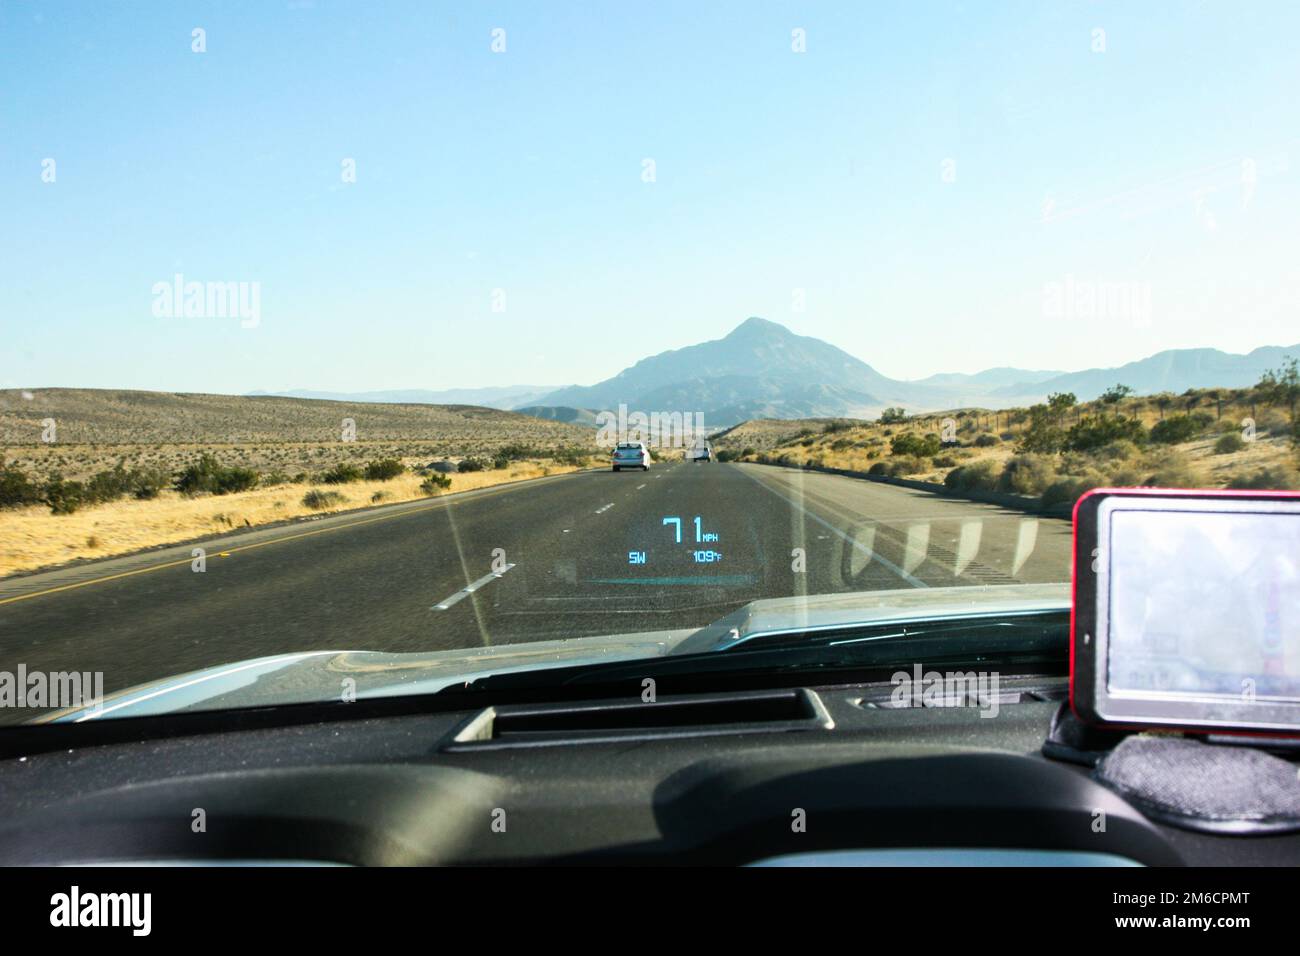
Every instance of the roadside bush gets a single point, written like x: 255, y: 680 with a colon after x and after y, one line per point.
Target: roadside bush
x: 209, y: 476
x: 318, y: 500
x: 1093, y: 431
x: 1122, y: 450
x: 1272, y: 421
x: 1278, y: 478
x: 385, y: 469
x: 472, y: 464
x: 1177, y: 429
x: 16, y: 488
x: 516, y: 451
x: 1173, y: 470
x: 977, y: 476
x: 579, y: 458
x: 147, y: 483
x: 1027, y: 475
x: 500, y: 462
x: 63, y: 497
x: 915, y: 445
x: 945, y: 461
x: 434, y: 484
x: 342, y: 474
x: 106, y: 485
x: 1229, y: 443
x: 987, y: 441
x: 1067, y: 489
x: 728, y: 455
x: 899, y: 467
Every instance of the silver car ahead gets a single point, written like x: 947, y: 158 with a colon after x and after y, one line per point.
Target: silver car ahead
x: 631, y: 454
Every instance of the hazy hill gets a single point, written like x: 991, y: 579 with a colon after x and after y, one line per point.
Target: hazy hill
x: 1175, y: 370
x: 500, y: 396
x: 112, y: 416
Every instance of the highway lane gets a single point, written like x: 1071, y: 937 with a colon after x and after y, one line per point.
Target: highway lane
x: 587, y: 554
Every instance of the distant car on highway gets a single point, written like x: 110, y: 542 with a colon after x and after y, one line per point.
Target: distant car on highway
x: 631, y: 454
x: 702, y: 452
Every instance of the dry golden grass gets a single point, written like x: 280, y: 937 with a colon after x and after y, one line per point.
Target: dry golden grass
x: 35, y: 538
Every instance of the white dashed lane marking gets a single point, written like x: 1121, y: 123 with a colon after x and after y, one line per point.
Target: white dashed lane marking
x: 469, y: 589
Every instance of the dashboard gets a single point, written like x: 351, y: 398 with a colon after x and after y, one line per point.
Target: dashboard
x: 776, y: 776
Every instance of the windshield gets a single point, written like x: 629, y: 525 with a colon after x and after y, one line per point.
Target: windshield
x: 535, y: 334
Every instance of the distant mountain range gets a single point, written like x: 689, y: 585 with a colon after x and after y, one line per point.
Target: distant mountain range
x: 763, y: 370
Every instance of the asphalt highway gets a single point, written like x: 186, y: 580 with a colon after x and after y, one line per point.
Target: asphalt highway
x: 577, y: 555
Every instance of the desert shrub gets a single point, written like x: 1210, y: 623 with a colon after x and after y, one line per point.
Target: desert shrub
x: 1177, y: 429
x: 945, y: 461
x: 1277, y: 478
x: 517, y: 451
x: 63, y: 497
x: 727, y: 455
x: 104, y: 486
x: 915, y: 445
x: 1272, y: 421
x: 977, y: 476
x: 748, y: 453
x: 1027, y: 474
x: 472, y: 464
x: 342, y: 474
x: 318, y: 500
x: 1094, y: 431
x: 384, y: 469
x: 16, y: 488
x: 579, y: 458
x: 1172, y: 470
x: 898, y: 467
x: 987, y: 440
x: 435, y: 483
x: 1067, y: 489
x: 209, y: 476
x: 148, y: 483
x: 500, y: 462
x: 1229, y: 443
x: 832, y: 427
x: 379, y: 496
x: 1121, y: 450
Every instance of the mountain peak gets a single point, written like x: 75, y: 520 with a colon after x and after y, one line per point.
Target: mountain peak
x: 755, y: 326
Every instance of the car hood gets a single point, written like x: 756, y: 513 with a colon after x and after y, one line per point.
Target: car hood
x: 317, y: 676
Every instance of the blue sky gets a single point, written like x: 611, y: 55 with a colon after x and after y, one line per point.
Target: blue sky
x: 775, y: 171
